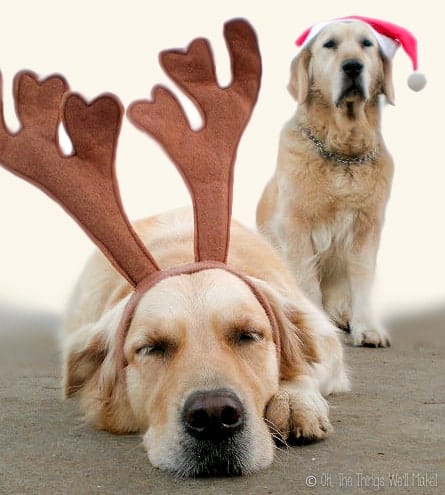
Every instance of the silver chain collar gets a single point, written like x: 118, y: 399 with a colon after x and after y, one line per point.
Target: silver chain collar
x: 338, y: 157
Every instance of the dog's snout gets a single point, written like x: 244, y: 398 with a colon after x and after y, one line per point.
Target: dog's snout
x: 352, y: 68
x: 213, y: 415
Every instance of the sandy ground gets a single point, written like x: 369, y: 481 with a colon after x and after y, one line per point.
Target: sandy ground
x: 390, y: 429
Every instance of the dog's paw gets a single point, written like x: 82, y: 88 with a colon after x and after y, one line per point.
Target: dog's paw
x: 298, y: 415
x: 372, y: 337
x: 340, y: 315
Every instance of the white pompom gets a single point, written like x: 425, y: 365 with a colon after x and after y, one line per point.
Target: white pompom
x: 417, y: 81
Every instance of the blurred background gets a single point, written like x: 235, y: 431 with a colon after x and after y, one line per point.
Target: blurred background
x: 113, y: 46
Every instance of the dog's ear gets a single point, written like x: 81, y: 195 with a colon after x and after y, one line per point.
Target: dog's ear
x: 388, y: 87
x: 91, y: 374
x: 297, y: 340
x: 85, y: 351
x: 299, y: 76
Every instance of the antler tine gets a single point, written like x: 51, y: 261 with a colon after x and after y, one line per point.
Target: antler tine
x: 84, y: 184
x: 206, y: 158
x: 245, y: 59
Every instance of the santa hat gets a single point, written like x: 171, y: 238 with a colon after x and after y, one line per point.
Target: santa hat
x: 389, y: 37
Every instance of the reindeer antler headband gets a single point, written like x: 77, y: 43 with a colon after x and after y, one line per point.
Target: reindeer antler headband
x: 85, y: 183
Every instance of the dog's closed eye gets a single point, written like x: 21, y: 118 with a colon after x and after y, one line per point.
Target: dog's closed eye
x: 243, y: 337
x: 160, y: 348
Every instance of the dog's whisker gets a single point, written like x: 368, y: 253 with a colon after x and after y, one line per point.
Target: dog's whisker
x: 275, y: 432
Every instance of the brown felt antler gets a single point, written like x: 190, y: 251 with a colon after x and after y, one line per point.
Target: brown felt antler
x: 206, y: 158
x: 84, y: 184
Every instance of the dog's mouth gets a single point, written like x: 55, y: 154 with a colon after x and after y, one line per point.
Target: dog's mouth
x: 215, y: 435
x: 201, y: 459
x: 351, y: 90
x: 214, y: 424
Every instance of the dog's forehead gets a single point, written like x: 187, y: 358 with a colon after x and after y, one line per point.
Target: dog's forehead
x: 345, y: 30
x: 205, y: 293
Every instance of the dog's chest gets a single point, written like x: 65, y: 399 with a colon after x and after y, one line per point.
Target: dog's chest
x: 324, y: 189
x: 343, y: 197
x: 336, y: 232
x: 321, y: 185
x: 350, y: 186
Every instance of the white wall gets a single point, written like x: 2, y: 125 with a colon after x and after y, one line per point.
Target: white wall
x: 113, y: 46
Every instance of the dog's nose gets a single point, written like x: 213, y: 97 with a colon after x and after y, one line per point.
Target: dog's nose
x: 352, y: 68
x: 213, y: 415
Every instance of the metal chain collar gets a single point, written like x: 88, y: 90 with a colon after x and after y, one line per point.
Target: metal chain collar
x: 338, y: 157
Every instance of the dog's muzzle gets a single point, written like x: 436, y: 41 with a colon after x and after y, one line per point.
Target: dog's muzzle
x: 215, y: 415
x: 214, y: 442
x: 352, y: 70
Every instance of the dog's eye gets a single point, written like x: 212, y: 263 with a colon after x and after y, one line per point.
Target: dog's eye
x: 367, y: 43
x: 248, y: 336
x: 330, y: 44
x: 155, y: 349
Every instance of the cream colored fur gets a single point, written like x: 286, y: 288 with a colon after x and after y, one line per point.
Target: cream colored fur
x: 198, y: 316
x: 326, y: 218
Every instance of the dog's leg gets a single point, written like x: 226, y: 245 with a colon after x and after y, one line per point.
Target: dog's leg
x: 298, y: 412
x: 329, y: 369
x: 365, y: 330
x: 295, y: 244
x: 336, y: 291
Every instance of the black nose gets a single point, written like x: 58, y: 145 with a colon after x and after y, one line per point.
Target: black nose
x: 352, y: 68
x: 213, y: 415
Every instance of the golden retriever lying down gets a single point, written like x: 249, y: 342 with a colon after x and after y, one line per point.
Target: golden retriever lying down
x: 324, y: 207
x: 203, y: 351
x: 203, y: 371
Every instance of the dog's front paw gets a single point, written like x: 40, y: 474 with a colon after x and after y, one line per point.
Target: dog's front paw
x: 338, y: 308
x: 299, y: 415
x: 369, y: 337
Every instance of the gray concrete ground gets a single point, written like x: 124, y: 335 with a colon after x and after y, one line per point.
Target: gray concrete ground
x: 389, y: 430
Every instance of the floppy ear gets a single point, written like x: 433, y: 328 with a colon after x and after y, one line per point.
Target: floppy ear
x: 388, y: 88
x: 91, y: 373
x: 299, y: 76
x: 85, y: 351
x: 298, y: 342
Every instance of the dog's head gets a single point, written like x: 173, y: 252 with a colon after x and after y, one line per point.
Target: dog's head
x: 202, y: 367
x: 343, y: 63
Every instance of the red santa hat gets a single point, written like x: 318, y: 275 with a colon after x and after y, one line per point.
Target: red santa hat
x: 389, y: 37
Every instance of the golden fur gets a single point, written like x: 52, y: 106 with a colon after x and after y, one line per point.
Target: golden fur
x: 199, y: 319
x: 324, y: 217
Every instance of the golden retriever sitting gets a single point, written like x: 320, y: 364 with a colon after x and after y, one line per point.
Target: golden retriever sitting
x: 324, y: 207
x: 203, y: 369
